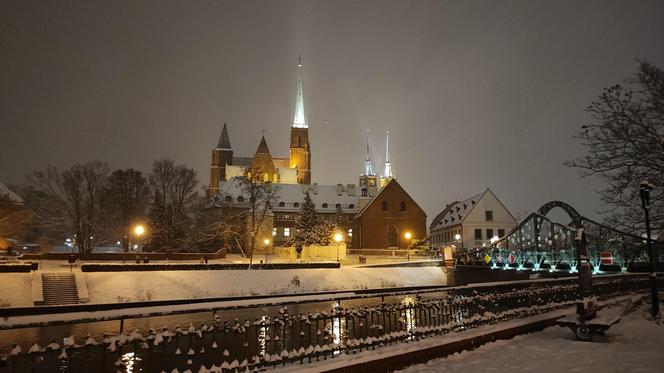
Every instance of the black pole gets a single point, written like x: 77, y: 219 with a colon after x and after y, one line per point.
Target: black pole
x: 644, y: 193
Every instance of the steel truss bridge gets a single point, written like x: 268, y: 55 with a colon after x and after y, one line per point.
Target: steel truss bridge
x: 540, y: 244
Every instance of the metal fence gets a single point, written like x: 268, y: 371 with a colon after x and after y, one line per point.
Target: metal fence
x: 283, y: 338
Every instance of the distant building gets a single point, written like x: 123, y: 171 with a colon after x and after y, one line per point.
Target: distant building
x: 295, y: 169
x: 351, y: 207
x: 473, y: 222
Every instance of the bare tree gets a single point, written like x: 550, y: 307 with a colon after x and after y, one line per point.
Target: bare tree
x: 173, y: 192
x: 216, y: 223
x: 260, y: 196
x: 14, y: 218
x: 72, y: 199
x: 127, y: 197
x: 625, y: 145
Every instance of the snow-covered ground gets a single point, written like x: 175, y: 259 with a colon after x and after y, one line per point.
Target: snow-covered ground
x: 113, y: 287
x: 16, y: 289
x: 634, y: 345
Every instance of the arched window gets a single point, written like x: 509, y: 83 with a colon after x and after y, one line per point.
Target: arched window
x: 281, y: 204
x: 338, y: 205
x: 403, y: 206
x: 325, y: 205
x: 296, y: 204
x: 392, y: 236
x: 385, y: 207
x: 240, y: 199
x: 229, y: 198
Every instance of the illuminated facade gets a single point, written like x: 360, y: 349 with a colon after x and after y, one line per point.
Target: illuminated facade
x: 296, y: 169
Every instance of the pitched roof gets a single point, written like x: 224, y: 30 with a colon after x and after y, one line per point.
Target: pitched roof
x: 455, y: 212
x: 375, y: 198
x: 325, y: 197
x: 262, y: 147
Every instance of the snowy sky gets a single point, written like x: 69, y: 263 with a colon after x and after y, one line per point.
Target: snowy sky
x: 475, y: 94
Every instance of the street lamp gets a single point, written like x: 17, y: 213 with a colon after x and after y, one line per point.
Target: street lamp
x: 338, y: 237
x: 139, y: 230
x: 644, y: 192
x: 266, y: 243
x: 408, y: 236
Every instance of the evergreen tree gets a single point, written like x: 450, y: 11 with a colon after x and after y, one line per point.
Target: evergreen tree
x: 307, y: 221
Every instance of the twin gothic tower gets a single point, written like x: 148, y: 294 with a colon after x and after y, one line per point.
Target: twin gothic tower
x: 296, y: 169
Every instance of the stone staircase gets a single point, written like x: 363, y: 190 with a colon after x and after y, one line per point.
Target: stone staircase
x: 59, y: 288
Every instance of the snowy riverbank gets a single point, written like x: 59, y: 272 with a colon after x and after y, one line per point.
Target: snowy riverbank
x: 633, y: 345
x: 113, y: 287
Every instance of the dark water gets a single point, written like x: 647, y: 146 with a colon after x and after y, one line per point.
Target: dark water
x: 257, y: 340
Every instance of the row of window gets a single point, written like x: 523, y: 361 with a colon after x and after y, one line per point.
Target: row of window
x: 286, y: 231
x: 295, y: 204
x: 330, y: 217
x: 386, y: 206
x: 489, y: 234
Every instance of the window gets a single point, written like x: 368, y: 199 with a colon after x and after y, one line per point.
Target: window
x: 478, y: 234
x: 364, y: 192
x: 286, y: 232
x: 488, y: 215
x: 338, y: 205
x: 385, y: 207
x: 286, y: 216
x: 403, y: 206
x: 392, y: 236
x: 282, y: 204
x: 350, y: 232
x: 351, y: 206
x: 296, y: 204
x: 229, y: 198
x: 274, y: 232
x: 325, y: 205
x: 489, y: 234
x: 240, y: 199
x: 501, y: 233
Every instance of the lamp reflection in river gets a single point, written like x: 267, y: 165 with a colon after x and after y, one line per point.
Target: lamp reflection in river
x: 262, y: 337
x: 129, y: 360
x: 409, y: 312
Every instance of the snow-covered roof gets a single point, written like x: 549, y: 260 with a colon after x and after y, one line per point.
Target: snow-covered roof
x: 290, y: 197
x: 12, y: 196
x: 455, y: 212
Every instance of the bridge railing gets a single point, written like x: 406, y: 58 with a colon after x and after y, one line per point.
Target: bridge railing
x: 538, y: 243
x: 286, y: 338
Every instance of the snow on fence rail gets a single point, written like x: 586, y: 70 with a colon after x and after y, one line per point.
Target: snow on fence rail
x: 285, y: 338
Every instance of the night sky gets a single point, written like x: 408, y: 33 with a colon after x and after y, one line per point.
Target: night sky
x: 475, y: 94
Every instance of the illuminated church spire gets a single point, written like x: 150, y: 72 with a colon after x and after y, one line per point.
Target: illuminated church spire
x: 388, y: 167
x: 368, y: 167
x: 387, y: 171
x: 299, y: 119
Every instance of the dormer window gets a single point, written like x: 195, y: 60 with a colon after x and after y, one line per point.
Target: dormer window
x: 325, y: 205
x: 240, y: 199
x: 282, y: 204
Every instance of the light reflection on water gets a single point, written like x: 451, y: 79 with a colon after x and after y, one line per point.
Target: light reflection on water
x: 129, y: 360
x: 262, y: 337
x: 409, y: 312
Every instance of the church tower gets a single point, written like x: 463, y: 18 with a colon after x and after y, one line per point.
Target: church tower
x: 368, y: 186
x: 300, y: 150
x: 387, y: 170
x: 222, y: 155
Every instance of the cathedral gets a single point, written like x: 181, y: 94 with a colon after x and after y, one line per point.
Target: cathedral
x: 374, y: 215
x: 295, y: 169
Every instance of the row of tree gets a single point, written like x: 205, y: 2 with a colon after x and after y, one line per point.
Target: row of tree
x: 95, y: 206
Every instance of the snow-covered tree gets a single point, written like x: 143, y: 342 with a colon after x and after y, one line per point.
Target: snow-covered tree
x: 310, y: 229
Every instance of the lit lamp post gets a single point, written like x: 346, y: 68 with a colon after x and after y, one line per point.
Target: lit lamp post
x: 644, y: 192
x: 139, y: 230
x: 266, y: 243
x: 408, y: 236
x: 338, y: 237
